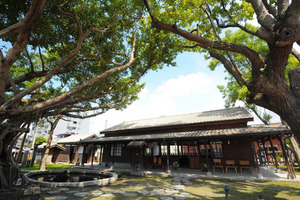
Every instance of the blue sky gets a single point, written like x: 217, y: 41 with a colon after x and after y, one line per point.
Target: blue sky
x: 189, y: 87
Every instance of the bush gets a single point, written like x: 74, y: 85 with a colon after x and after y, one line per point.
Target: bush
x: 175, y: 165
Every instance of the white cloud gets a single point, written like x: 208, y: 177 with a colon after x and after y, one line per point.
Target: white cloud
x: 296, y: 46
x: 185, y: 94
x: 185, y: 85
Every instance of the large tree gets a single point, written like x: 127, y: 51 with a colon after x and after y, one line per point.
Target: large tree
x: 76, y: 58
x: 201, y: 26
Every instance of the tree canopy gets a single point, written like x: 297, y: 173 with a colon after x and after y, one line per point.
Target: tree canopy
x: 73, y: 58
x: 260, y: 60
x: 39, y: 140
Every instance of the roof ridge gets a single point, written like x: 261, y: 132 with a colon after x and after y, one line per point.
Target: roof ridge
x: 208, y: 111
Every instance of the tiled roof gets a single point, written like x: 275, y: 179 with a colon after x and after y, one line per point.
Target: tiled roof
x: 74, y: 138
x: 218, y: 133
x: 229, y: 114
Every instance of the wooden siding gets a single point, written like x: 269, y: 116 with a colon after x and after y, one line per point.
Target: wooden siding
x: 64, y: 156
x: 238, y: 149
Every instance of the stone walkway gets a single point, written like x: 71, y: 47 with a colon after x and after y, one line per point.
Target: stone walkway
x: 174, y: 192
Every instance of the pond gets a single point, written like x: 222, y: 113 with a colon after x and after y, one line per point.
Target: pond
x: 71, y: 178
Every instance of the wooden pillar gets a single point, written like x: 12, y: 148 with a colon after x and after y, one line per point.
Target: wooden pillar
x: 273, y: 153
x: 178, y: 149
x: 168, y: 156
x: 76, y: 155
x: 207, y: 143
x: 101, y: 154
x: 113, y: 160
x: 142, y: 158
x: 266, y: 152
x: 259, y: 153
x: 181, y: 149
x: 286, y: 157
x: 159, y: 148
x: 255, y: 156
x: 83, y: 156
x: 93, y: 155
x: 70, y: 154
x: 290, y: 160
x: 199, y: 156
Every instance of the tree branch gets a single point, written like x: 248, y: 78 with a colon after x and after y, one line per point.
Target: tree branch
x: 11, y: 30
x: 237, y: 73
x: 282, y: 7
x: 263, y: 16
x: 42, y: 60
x: 253, y: 56
x: 270, y: 8
x: 228, y: 65
x: 35, y: 11
x: 50, y: 74
x: 79, y: 88
x: 30, y: 61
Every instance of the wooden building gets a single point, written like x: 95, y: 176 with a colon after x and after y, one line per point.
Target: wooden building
x: 193, y: 140
x: 54, y: 153
x: 74, y: 151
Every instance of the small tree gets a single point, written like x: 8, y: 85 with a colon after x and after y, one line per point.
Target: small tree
x: 38, y: 140
x: 53, y: 123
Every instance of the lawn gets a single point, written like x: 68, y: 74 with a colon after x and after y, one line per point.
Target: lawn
x: 48, y: 166
x: 213, y: 189
x: 200, y: 189
x: 284, y: 167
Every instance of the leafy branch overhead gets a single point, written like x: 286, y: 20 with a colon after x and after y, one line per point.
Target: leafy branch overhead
x: 261, y: 59
x: 81, y: 56
x: 73, y: 58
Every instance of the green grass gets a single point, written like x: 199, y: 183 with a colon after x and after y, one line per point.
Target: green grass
x: 246, y: 190
x: 200, y: 189
x: 48, y: 166
x: 284, y: 168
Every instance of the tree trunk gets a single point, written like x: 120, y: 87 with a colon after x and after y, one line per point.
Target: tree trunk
x: 295, y: 149
x: 33, y: 156
x: 9, y: 170
x: 21, y: 149
x: 53, y: 126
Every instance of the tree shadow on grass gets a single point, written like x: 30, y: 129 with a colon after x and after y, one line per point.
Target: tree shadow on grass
x: 245, y: 190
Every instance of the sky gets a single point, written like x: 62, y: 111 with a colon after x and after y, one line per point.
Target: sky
x: 188, y: 88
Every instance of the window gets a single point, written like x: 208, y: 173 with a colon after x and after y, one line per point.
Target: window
x: 185, y: 150
x: 193, y: 151
x: 148, y: 152
x: 164, y: 149
x: 217, y: 149
x: 174, y: 149
x: 116, y: 150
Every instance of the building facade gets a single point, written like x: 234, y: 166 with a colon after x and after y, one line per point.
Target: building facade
x: 193, y: 140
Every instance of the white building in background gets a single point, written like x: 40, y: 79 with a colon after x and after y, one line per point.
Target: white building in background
x: 73, y: 125
x: 38, y: 130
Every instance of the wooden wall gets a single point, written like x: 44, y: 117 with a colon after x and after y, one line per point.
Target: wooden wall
x: 238, y: 149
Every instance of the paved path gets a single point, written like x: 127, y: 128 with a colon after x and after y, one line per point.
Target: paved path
x: 267, y: 173
x: 175, y: 191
